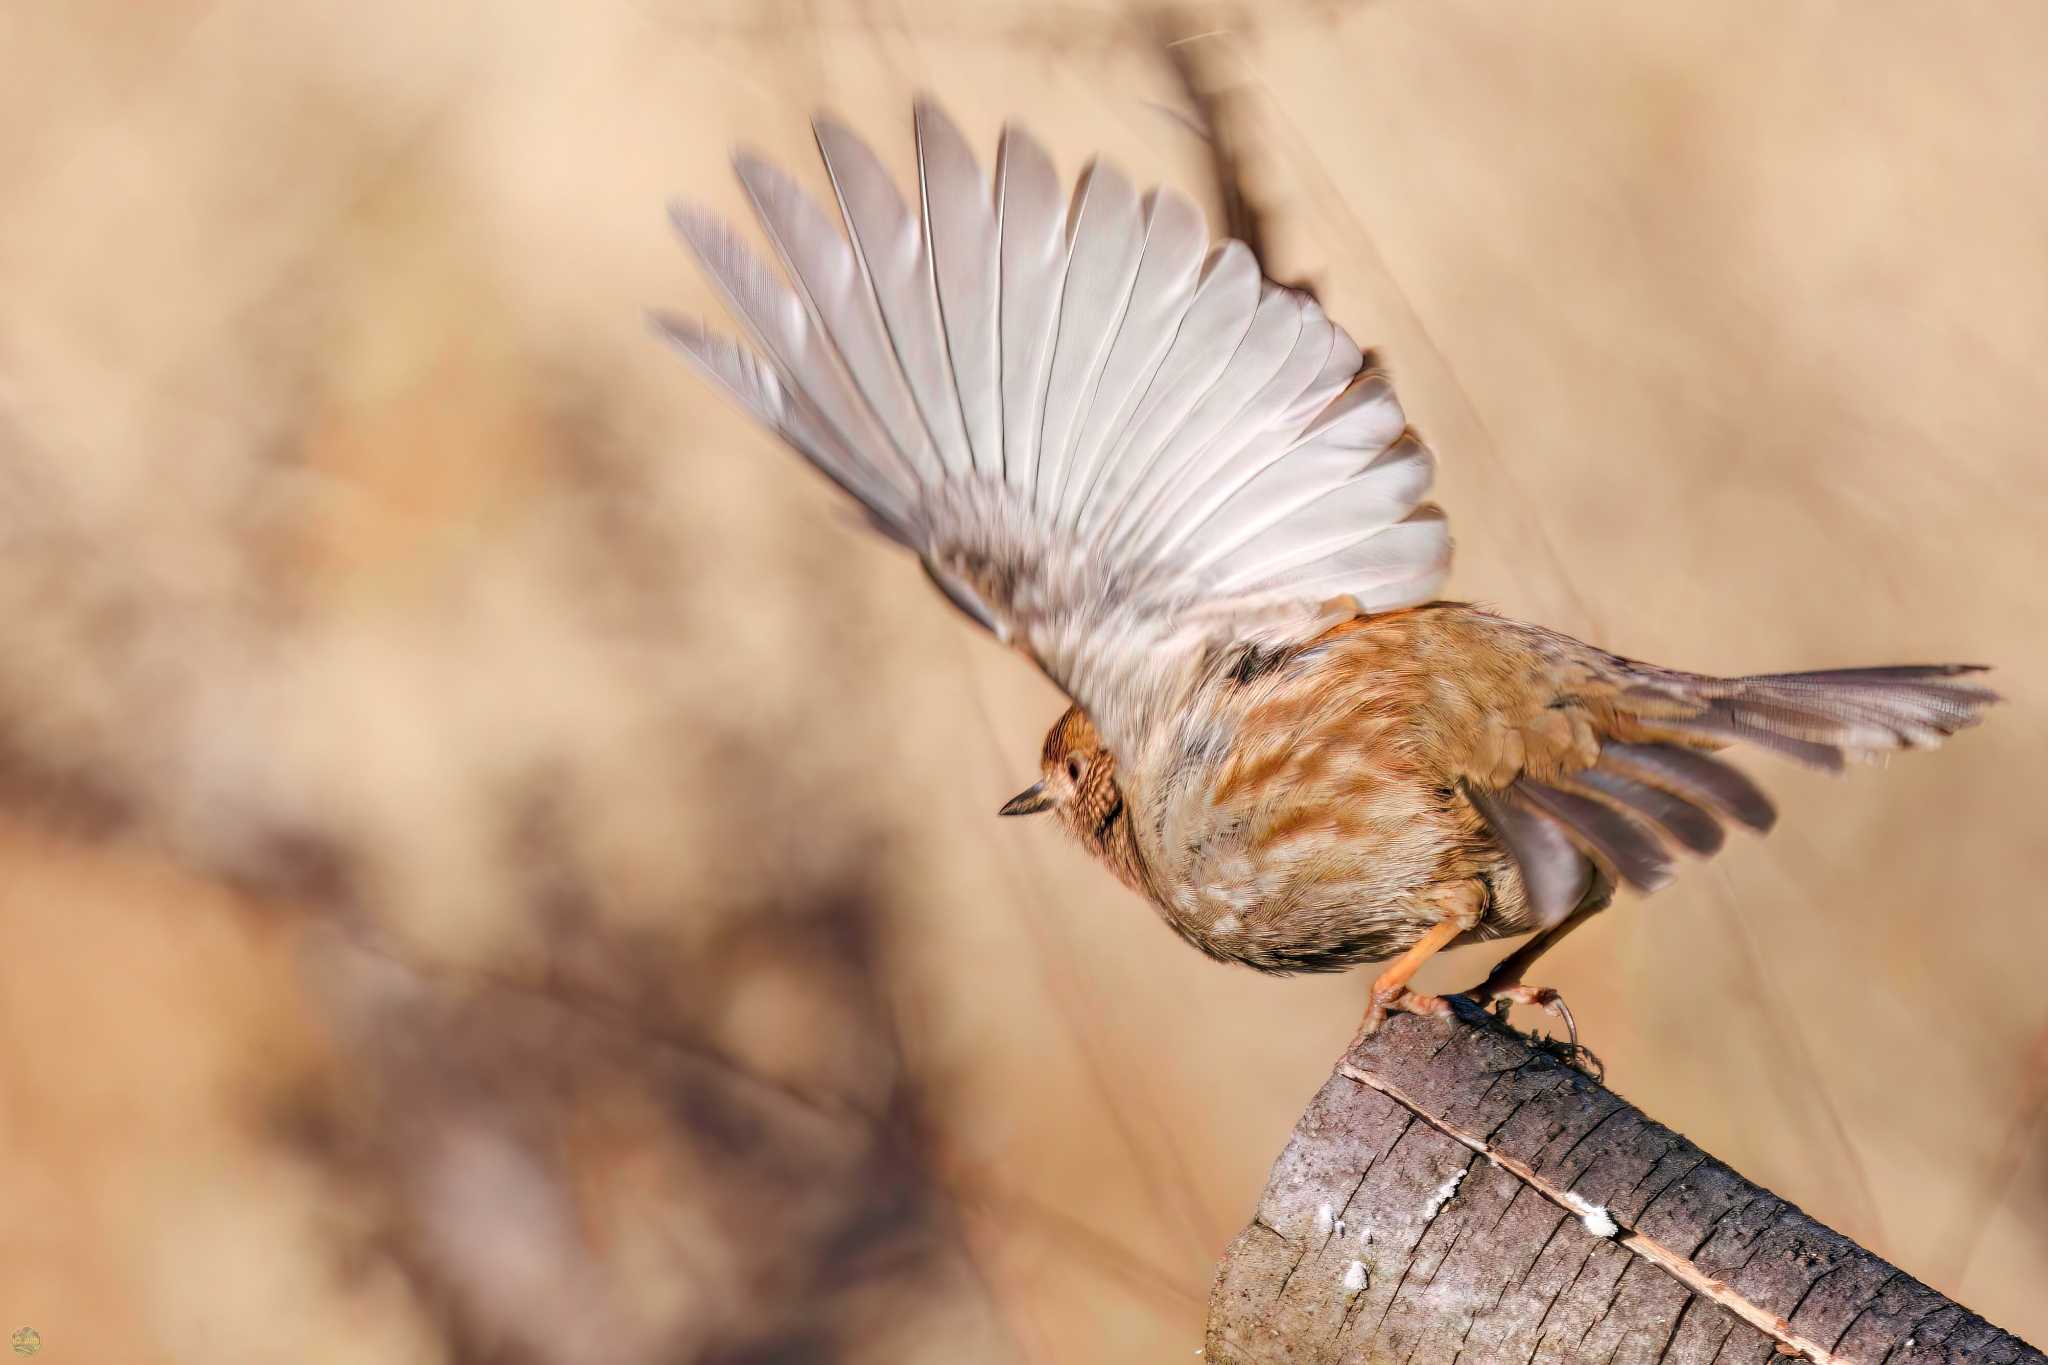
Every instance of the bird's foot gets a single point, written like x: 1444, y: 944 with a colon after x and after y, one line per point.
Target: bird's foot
x: 1501, y: 996
x: 1397, y: 1000
x: 1543, y: 997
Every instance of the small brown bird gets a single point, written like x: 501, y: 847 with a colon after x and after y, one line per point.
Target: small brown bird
x: 1193, y: 501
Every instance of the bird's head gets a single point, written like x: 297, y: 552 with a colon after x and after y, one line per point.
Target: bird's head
x: 1077, y: 782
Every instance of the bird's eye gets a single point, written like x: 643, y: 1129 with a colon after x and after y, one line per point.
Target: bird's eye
x: 1074, y: 771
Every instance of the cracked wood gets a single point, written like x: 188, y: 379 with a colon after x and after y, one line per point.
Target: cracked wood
x: 1357, y: 1254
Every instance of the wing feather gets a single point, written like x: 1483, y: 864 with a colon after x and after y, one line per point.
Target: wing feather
x: 1105, y: 438
x: 1162, y: 292
x: 822, y: 266
x: 804, y: 357
x: 753, y: 385
x: 960, y: 222
x: 1555, y: 875
x: 1619, y: 842
x: 1699, y: 778
x: 1689, y: 825
x: 1384, y: 569
x: 1263, y: 349
x: 1290, y: 514
x: 1222, y: 311
x: 1212, y: 476
x: 1107, y: 243
x: 1033, y: 251
x: 896, y: 263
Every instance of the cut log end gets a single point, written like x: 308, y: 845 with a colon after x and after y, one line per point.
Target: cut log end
x: 1454, y: 1195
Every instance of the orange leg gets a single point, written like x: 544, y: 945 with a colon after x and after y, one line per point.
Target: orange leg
x: 1503, y: 985
x: 1390, y: 991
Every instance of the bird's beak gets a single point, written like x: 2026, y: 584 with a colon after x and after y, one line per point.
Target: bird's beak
x: 1030, y: 801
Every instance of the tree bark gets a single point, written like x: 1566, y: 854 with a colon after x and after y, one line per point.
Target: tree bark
x: 1454, y: 1194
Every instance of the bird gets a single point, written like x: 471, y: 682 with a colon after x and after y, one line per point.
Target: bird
x: 1196, y: 504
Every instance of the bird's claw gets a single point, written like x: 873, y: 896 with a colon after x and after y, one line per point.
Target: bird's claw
x: 1500, y: 999
x: 1400, y: 1000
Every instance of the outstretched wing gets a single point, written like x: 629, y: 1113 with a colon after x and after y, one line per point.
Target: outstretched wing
x: 1111, y: 442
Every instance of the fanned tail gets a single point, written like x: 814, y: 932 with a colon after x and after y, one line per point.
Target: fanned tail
x: 1824, y: 717
x: 1662, y: 792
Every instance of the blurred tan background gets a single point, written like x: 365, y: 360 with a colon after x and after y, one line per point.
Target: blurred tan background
x: 495, y: 865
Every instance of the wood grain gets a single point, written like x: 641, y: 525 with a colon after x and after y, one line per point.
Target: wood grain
x: 1448, y: 1197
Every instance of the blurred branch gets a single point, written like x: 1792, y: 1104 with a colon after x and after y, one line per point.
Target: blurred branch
x: 1455, y: 1193
x: 1218, y: 116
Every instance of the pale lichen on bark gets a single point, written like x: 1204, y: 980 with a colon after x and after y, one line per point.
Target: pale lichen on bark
x: 1497, y: 1205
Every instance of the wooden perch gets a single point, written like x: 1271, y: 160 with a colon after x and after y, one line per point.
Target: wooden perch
x: 1454, y: 1194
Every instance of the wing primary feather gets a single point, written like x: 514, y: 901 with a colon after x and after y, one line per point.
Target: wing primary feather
x: 1032, y: 266
x: 1698, y: 777
x: 830, y: 282
x: 895, y: 261
x: 1634, y: 854
x: 1260, y: 352
x: 1686, y: 823
x: 1222, y: 311
x: 960, y: 225
x: 1292, y: 514
x: 753, y: 384
x: 1105, y: 240
x: 1169, y: 268
x: 1208, y: 481
x: 1104, y: 437
x: 803, y: 357
x: 1555, y: 874
x: 1399, y: 566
